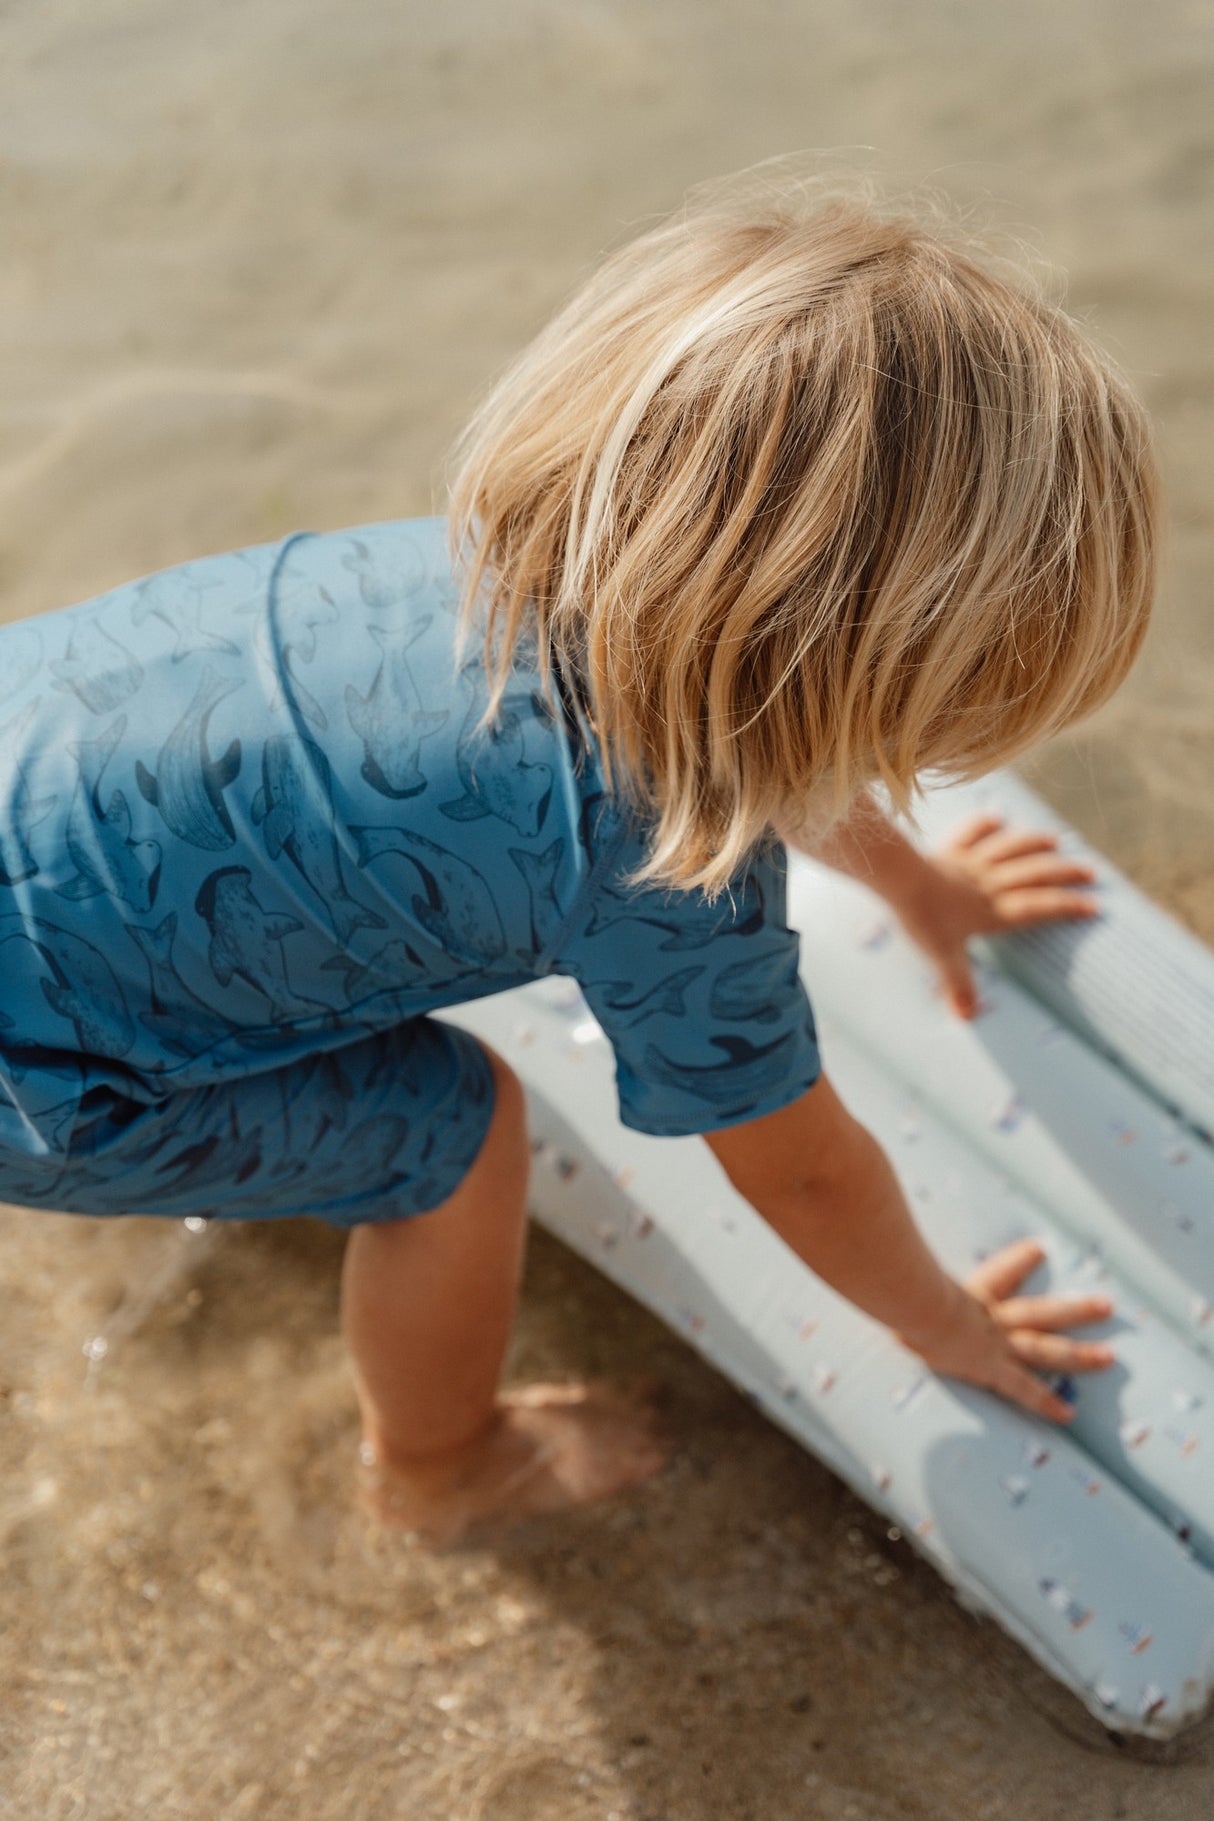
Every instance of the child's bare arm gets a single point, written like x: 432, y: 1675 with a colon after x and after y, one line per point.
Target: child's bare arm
x: 826, y: 1187
x: 868, y: 847
x: 984, y: 879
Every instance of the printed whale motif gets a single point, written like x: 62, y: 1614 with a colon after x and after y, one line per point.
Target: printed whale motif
x: 81, y: 986
x: 510, y: 788
x: 382, y: 588
x: 213, y: 1162
x: 746, y: 1073
x: 49, y: 1101
x: 390, y: 719
x: 735, y: 988
x: 17, y: 860
x: 458, y: 908
x: 539, y: 871
x: 182, y: 1023
x: 177, y: 597
x: 693, y: 926
x: 668, y: 996
x: 98, y: 840
x: 99, y: 671
x: 294, y: 810
x: 188, y: 785
x: 285, y: 636
x: 316, y: 1099
x: 390, y: 965
x: 379, y: 1143
x: 394, y: 968
x: 246, y: 939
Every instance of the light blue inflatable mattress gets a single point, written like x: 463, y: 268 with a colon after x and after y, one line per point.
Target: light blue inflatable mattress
x: 1076, y: 1108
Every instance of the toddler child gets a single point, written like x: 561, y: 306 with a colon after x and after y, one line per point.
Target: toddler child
x: 787, y: 502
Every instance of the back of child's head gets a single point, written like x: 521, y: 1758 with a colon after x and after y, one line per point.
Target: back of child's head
x: 808, y: 497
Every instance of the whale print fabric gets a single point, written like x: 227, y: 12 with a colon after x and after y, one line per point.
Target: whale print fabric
x: 250, y: 825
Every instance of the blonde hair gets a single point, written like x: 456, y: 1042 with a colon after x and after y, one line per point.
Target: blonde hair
x: 806, y: 497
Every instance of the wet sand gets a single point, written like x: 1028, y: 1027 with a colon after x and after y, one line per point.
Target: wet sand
x: 259, y: 260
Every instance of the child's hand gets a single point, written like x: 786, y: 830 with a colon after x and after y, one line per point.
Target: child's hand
x: 994, y: 1337
x: 987, y: 878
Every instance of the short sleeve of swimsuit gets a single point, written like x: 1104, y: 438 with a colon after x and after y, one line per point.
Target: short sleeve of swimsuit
x: 703, y: 1004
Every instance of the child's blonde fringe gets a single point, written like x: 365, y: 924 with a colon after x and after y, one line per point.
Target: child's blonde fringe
x: 808, y: 496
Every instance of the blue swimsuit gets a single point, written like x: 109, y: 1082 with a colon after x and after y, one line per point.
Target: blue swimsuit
x: 250, y: 837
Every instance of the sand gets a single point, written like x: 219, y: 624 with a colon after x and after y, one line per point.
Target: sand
x: 259, y: 259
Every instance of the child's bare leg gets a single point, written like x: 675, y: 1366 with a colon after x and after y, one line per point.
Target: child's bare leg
x: 427, y: 1306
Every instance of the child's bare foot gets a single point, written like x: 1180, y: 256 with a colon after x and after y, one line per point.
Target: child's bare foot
x: 547, y: 1448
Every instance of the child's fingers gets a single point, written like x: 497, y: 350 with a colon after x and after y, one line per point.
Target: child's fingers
x: 1017, y: 841
x: 1042, y: 869
x: 1058, y: 1353
x: 1051, y: 1312
x: 1044, y: 904
x: 973, y: 830
x: 1004, y: 1271
x: 1022, y: 1387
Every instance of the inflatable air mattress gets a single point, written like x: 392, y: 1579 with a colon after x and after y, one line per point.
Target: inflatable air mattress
x: 1076, y: 1108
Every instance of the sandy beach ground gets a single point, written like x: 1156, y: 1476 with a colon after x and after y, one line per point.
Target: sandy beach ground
x: 256, y: 261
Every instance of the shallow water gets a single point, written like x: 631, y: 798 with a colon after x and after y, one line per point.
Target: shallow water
x: 259, y: 260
